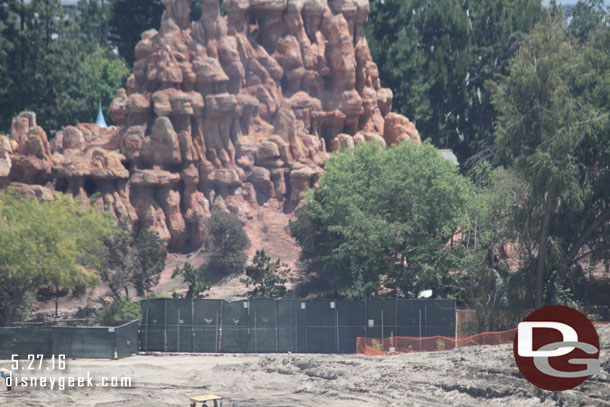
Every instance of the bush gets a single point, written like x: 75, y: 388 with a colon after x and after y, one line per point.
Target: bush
x: 122, y: 310
x: 266, y: 276
x: 382, y: 218
x: 192, y: 278
x: 226, y: 246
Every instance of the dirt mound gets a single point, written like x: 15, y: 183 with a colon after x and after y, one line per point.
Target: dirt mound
x: 472, y: 376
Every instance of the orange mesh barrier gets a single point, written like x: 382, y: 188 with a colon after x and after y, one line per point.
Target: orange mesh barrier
x: 406, y: 344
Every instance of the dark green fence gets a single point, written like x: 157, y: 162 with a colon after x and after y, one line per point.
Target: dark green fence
x: 74, y: 342
x: 299, y: 326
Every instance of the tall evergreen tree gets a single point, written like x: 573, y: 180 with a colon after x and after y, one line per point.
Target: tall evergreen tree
x: 92, y: 21
x: 437, y: 57
x: 554, y: 130
x: 586, y: 17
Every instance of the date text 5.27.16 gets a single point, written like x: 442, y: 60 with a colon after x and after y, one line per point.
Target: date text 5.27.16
x: 35, y: 362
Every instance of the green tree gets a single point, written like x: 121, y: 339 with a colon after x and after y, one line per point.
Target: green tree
x: 132, y: 261
x: 383, y: 218
x: 120, y: 311
x: 267, y: 276
x: 55, y: 63
x: 128, y: 20
x: 150, y: 254
x: 54, y: 244
x: 118, y: 260
x: 91, y: 20
x: 553, y: 130
x: 586, y: 17
x: 483, y: 264
x: 191, y: 277
x: 99, y: 75
x: 226, y: 245
x: 8, y: 41
x: 437, y: 57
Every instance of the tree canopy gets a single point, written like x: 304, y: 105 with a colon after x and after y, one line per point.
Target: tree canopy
x: 56, y: 64
x: 437, y: 57
x: 226, y: 246
x: 266, y: 276
x: 128, y: 19
x: 132, y: 260
x: 553, y: 130
x: 56, y: 243
x: 382, y: 216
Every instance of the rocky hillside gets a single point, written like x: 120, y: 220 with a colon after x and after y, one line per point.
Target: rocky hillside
x: 229, y: 112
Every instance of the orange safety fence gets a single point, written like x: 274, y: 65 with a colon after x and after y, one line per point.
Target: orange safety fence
x: 407, y: 344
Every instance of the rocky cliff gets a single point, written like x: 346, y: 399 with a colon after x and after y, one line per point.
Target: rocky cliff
x: 228, y: 111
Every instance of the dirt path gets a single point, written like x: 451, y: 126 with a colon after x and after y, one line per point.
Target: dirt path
x: 474, y: 376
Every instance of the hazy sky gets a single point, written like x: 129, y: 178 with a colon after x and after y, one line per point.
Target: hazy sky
x: 545, y: 2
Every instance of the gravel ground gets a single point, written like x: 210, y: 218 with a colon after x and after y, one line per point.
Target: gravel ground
x: 473, y: 376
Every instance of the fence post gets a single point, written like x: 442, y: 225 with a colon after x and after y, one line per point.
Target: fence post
x: 426, y: 317
x: 219, y: 328
x: 248, y: 341
x: 457, y: 319
x: 178, y: 329
x: 382, y: 333
x: 255, y: 334
x: 396, y: 317
x: 193, y: 324
x: 306, y: 331
x: 165, y: 325
x: 146, y: 333
x: 337, y: 326
x: 419, y: 330
x: 276, y: 328
x: 365, y: 322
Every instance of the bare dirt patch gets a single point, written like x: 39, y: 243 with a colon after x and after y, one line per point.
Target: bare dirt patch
x: 473, y: 376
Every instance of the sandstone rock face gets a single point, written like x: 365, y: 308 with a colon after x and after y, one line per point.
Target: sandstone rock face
x: 225, y: 112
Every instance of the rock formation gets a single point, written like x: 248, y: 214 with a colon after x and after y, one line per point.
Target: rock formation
x: 228, y: 111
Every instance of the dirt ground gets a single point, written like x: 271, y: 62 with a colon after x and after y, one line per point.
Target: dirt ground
x: 473, y: 376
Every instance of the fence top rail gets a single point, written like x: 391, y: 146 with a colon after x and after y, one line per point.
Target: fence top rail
x: 136, y: 321
x: 105, y: 327
x: 298, y: 300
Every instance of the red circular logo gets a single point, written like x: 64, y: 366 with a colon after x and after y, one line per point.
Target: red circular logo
x: 556, y: 348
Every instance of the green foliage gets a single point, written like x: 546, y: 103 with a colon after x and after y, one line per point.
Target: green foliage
x: 226, y: 245
x: 383, y: 216
x: 137, y: 261
x: 150, y: 256
x: 196, y: 10
x: 100, y: 74
x: 267, y: 277
x: 55, y: 64
x: 437, y: 56
x: 128, y: 20
x: 190, y: 276
x: 553, y: 130
x: 586, y: 17
x: 91, y: 20
x: 480, y: 258
x: 54, y: 244
x: 121, y: 310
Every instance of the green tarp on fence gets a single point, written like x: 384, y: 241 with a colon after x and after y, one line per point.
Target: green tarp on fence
x: 74, y: 342
x: 299, y: 326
